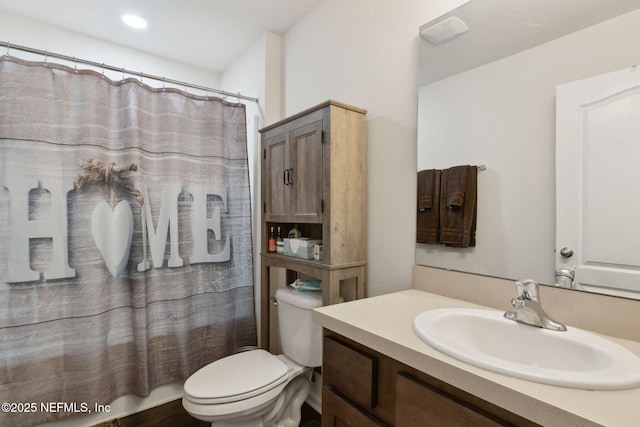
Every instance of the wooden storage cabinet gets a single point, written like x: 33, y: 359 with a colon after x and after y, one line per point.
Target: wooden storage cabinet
x: 314, y: 175
x: 402, y: 396
x: 293, y: 175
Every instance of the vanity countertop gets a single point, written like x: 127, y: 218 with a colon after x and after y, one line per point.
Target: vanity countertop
x: 383, y: 323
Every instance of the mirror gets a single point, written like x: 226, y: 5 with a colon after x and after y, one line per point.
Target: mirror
x: 488, y: 97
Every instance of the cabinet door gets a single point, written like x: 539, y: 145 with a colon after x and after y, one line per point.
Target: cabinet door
x: 274, y: 178
x: 305, y: 151
x: 351, y: 371
x: 338, y: 412
x: 421, y: 405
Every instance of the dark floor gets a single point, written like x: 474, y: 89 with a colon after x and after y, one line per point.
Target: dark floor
x: 172, y: 414
x: 310, y: 418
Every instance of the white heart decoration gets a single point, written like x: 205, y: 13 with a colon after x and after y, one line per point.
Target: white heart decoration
x: 112, y: 231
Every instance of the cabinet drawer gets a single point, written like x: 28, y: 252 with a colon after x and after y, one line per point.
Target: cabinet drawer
x: 337, y: 412
x: 421, y: 405
x: 351, y: 371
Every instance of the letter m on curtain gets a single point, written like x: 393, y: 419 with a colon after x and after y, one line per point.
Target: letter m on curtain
x: 125, y: 236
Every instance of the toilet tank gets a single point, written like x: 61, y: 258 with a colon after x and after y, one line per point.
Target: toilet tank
x: 300, y: 337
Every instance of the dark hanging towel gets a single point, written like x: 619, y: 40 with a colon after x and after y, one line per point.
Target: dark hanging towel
x: 428, y: 215
x: 458, y: 202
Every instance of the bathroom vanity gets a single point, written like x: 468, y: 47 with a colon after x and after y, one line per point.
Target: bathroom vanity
x: 385, y: 391
x: 376, y: 371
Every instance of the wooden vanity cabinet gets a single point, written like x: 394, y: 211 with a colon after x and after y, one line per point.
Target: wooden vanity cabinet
x: 314, y: 175
x: 338, y: 411
x: 362, y: 387
x: 420, y: 404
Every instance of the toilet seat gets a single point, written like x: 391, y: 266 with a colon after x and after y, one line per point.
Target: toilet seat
x: 238, y: 377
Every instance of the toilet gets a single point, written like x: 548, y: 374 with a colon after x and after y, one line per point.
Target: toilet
x: 256, y: 388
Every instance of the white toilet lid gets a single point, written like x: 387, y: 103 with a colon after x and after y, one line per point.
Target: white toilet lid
x: 236, y: 377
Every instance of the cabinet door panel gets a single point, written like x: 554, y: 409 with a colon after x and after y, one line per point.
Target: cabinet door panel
x: 337, y: 412
x: 352, y: 372
x: 421, y: 405
x: 305, y: 148
x: 276, y: 201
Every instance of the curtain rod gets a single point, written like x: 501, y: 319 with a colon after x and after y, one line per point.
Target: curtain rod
x: 47, y: 54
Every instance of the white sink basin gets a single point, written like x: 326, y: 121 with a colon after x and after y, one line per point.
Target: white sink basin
x: 574, y: 358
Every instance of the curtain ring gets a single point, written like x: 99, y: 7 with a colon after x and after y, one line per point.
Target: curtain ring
x: 185, y: 87
x: 141, y: 77
x: 46, y: 55
x: 122, y: 73
x: 103, y: 69
x: 75, y: 63
x: 8, y: 48
x: 164, y: 83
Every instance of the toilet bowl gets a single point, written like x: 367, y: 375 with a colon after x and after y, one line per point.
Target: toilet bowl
x: 250, y: 388
x: 256, y: 388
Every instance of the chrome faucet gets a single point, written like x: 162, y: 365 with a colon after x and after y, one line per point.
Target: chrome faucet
x: 528, y: 308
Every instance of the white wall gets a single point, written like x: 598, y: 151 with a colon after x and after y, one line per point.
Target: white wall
x: 503, y: 115
x: 364, y: 52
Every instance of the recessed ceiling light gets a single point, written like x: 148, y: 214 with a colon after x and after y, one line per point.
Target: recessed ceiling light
x: 134, y: 21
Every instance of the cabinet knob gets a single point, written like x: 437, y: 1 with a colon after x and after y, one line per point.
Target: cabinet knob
x: 566, y: 252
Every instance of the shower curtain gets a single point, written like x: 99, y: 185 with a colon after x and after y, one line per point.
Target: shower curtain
x: 125, y: 238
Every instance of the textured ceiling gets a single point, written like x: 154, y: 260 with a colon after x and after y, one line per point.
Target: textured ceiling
x: 209, y: 34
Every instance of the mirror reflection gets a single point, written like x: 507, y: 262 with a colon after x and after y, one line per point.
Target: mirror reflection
x: 489, y: 97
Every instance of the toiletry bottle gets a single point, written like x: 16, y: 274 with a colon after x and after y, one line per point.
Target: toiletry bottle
x: 272, y: 241
x: 279, y: 243
x: 294, y: 233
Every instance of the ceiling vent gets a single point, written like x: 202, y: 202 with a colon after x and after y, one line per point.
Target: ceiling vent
x: 444, y: 31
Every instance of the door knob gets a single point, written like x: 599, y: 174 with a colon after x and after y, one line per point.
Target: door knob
x: 566, y: 252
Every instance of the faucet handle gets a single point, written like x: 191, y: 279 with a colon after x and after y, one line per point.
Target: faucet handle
x: 527, y: 289
x: 517, y: 303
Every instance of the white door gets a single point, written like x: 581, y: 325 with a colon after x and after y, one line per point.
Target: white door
x: 598, y: 181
